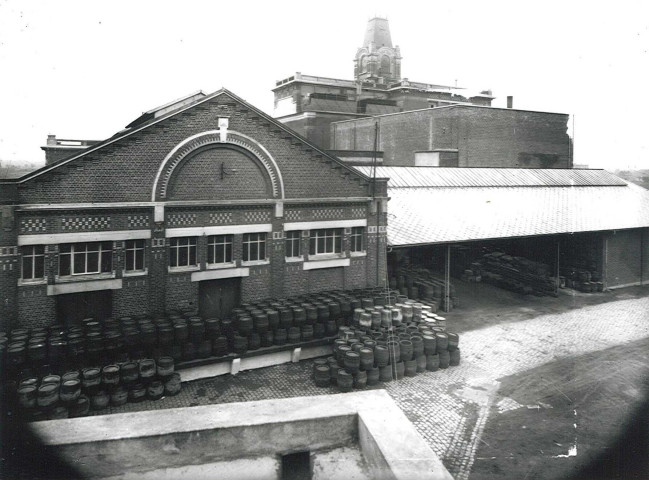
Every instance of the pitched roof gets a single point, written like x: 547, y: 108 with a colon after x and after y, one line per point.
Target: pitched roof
x: 197, y: 99
x: 442, y: 205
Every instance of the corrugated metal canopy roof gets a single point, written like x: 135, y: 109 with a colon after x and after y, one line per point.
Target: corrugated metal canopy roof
x: 402, y: 177
x: 435, y: 205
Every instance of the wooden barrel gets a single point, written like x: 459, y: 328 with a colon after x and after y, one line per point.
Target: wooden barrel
x: 410, y: 368
x: 345, y: 381
x: 430, y: 344
x: 360, y: 379
x: 280, y: 336
x: 91, y: 378
x: 444, y: 359
x: 172, y: 385
x: 27, y: 395
x: 372, y: 376
x: 220, y: 346
x: 442, y: 341
x: 129, y: 373
x: 322, y: 375
x: 406, y: 350
x: 155, y: 390
x: 80, y: 407
x: 240, y: 344
x: 99, y: 400
x: 110, y: 375
x: 381, y: 355
x: 421, y: 363
x: 118, y: 396
x: 254, y: 341
x: 453, y: 340
x: 70, y: 390
x: 165, y: 366
x: 352, y: 362
x: 385, y: 373
x: 147, y: 368
x: 454, y: 357
x: 136, y: 393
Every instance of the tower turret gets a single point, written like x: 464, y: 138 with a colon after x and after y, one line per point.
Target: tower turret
x: 377, y: 60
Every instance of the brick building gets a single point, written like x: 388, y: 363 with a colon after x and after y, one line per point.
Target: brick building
x: 309, y: 104
x: 457, y: 136
x: 203, y: 203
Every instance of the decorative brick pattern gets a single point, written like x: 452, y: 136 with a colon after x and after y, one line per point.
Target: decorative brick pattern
x: 328, y: 213
x: 85, y: 223
x: 293, y: 215
x: 8, y: 251
x: 258, y: 216
x: 182, y: 219
x: 359, y: 212
x: 138, y: 221
x: 220, y: 218
x: 33, y: 225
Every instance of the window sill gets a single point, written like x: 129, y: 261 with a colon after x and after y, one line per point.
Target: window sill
x: 32, y: 282
x: 254, y: 263
x: 84, y: 277
x: 294, y: 259
x: 191, y: 268
x: 358, y: 254
x: 219, y: 266
x: 325, y: 256
x: 135, y: 273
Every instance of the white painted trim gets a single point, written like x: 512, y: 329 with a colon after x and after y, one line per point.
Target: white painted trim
x: 358, y: 254
x: 164, y: 164
x: 186, y: 203
x: 84, y: 286
x: 217, y: 274
x: 317, y: 264
x: 256, y: 263
x: 361, y: 222
x: 74, y: 237
x: 218, y: 230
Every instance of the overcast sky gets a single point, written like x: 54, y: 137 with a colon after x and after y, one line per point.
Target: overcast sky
x: 85, y: 69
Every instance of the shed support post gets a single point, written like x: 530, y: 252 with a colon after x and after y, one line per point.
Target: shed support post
x: 447, y: 280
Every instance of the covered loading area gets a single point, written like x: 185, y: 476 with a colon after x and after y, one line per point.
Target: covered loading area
x: 529, y: 230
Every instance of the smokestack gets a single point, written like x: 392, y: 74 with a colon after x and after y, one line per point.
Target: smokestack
x: 510, y: 101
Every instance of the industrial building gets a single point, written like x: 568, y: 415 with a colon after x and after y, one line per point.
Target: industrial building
x: 203, y: 203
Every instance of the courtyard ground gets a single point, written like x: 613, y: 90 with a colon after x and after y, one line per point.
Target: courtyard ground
x: 545, y: 386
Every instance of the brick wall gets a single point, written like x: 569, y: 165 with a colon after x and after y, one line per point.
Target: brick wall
x: 181, y: 292
x: 34, y: 307
x: 485, y: 137
x: 132, y: 163
x: 258, y: 285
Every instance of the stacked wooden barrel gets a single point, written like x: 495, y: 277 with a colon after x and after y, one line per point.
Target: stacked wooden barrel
x: 410, y: 339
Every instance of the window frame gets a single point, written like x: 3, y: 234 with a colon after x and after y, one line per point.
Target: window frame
x: 190, y: 244
x: 293, y: 237
x: 227, y: 240
x: 249, y: 241
x: 74, y: 253
x: 357, y: 240
x: 30, y: 252
x: 135, y: 249
x: 326, y: 242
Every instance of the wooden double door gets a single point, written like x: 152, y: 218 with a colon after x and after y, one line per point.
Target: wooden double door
x: 217, y: 298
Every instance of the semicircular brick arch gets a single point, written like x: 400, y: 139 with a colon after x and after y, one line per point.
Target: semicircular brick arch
x: 191, y: 144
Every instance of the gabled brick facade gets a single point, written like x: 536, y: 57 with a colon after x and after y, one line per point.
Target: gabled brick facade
x: 216, y: 167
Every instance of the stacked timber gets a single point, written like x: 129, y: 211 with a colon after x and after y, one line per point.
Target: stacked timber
x: 517, y: 274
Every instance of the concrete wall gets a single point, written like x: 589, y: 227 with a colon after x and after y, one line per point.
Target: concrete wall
x: 484, y: 137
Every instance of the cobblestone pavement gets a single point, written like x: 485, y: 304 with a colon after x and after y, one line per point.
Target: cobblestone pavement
x: 449, y: 407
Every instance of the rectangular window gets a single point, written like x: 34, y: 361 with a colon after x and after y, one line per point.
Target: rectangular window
x: 134, y: 255
x: 357, y: 239
x: 219, y: 249
x: 182, y: 252
x: 329, y: 240
x: 293, y: 244
x: 254, y: 247
x: 33, y: 262
x: 86, y: 257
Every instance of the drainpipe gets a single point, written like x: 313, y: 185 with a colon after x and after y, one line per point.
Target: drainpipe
x: 447, y: 279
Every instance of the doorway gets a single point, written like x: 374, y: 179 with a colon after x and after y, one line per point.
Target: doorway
x: 71, y: 308
x: 217, y: 298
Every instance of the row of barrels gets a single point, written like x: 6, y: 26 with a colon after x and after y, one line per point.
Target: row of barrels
x: 76, y: 392
x: 365, y: 357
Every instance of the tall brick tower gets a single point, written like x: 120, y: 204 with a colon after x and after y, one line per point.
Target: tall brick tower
x: 377, y: 60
